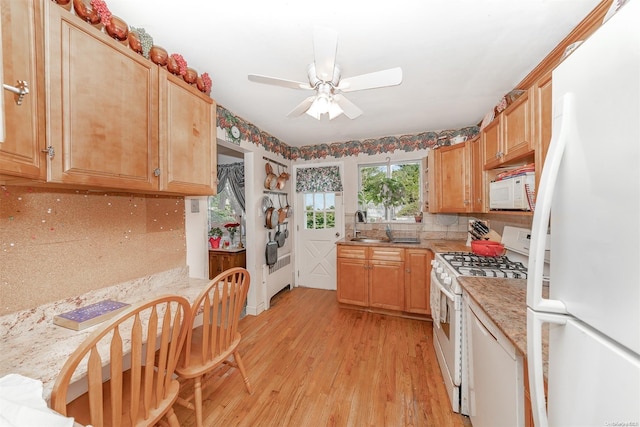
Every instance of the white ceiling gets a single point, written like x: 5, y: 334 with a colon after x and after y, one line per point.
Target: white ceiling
x: 458, y: 57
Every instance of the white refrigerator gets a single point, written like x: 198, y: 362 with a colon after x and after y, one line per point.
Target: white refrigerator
x: 589, y: 195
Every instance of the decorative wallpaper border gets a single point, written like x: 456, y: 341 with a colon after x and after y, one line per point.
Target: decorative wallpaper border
x: 387, y: 144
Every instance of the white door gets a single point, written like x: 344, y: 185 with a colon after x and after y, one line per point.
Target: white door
x: 320, y: 223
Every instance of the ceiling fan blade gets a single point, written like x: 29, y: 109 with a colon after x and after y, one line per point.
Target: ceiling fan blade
x: 325, y: 45
x: 349, y: 108
x: 390, y: 77
x: 278, y: 82
x: 302, y: 107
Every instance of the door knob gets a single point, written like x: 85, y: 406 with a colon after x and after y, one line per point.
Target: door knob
x: 337, y: 234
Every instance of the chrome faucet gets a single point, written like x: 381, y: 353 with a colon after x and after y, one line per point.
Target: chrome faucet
x: 359, y: 216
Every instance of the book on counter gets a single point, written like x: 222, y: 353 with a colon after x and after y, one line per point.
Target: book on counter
x: 84, y: 317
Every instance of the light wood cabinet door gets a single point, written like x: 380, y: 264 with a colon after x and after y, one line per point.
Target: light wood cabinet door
x: 187, y: 138
x: 220, y: 261
x: 353, y: 281
x: 478, y: 186
x: 542, y: 121
x: 102, y: 109
x: 509, y: 136
x: 435, y: 184
x: 386, y: 284
x: 491, y: 143
x: 516, y: 133
x: 417, y: 280
x: 22, y: 53
x: 453, y: 166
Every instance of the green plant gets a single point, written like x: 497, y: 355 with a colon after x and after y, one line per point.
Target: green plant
x: 381, y: 190
x: 215, y: 232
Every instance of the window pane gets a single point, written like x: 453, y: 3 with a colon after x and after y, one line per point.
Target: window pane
x: 308, y: 201
x: 371, y: 177
x: 320, y: 210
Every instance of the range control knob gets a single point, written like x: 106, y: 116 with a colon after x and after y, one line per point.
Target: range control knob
x: 447, y: 280
x: 439, y: 270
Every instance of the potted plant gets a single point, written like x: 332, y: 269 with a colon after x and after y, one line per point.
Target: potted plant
x: 215, y: 234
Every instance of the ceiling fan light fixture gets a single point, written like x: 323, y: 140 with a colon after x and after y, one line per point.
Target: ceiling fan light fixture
x: 325, y: 77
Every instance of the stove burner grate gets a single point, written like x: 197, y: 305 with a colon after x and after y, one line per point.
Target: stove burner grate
x: 470, y: 264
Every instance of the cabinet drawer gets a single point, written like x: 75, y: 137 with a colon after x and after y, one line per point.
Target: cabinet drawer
x: 354, y: 252
x: 382, y: 253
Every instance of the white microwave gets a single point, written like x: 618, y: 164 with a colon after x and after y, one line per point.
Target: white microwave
x: 511, y: 193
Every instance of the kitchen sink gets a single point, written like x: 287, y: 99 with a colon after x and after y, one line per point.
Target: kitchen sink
x: 369, y: 240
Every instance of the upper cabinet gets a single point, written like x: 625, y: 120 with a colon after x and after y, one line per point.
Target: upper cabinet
x: 154, y: 133
x: 543, y: 120
x: 508, y: 137
x: 456, y: 178
x: 20, y: 153
x: 114, y: 120
x: 187, y: 138
x: 101, y: 108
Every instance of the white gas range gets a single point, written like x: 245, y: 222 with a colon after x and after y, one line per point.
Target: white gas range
x: 446, y: 303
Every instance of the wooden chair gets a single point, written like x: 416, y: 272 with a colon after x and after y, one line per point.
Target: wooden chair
x: 136, y: 352
x: 214, y: 336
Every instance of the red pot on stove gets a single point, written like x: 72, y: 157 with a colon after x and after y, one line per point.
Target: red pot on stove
x: 487, y: 248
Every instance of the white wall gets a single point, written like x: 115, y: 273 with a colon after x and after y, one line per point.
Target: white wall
x: 197, y: 243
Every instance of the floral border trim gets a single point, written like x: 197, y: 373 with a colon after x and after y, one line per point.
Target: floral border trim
x: 387, y: 144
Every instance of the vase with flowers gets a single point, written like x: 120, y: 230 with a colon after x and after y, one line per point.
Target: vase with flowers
x: 215, y: 234
x: 232, y: 229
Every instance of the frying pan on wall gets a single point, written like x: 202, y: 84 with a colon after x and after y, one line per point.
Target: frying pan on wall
x: 279, y: 237
x: 271, y: 180
x: 271, y: 251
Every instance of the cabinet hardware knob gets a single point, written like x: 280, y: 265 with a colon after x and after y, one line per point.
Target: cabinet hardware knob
x: 156, y: 172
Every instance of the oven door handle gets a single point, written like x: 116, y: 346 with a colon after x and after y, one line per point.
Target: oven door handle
x: 446, y: 292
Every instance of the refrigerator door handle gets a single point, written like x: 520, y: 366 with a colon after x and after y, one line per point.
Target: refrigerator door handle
x: 564, y: 112
x: 534, y: 361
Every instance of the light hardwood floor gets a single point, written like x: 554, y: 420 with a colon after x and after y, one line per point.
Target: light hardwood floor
x: 312, y: 363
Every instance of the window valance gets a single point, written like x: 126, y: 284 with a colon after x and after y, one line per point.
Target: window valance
x: 318, y: 179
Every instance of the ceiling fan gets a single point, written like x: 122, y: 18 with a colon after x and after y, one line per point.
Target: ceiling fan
x: 325, y: 78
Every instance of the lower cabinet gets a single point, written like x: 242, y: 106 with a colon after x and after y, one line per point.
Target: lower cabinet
x: 222, y: 260
x: 417, y: 280
x: 384, y: 277
x: 353, y: 275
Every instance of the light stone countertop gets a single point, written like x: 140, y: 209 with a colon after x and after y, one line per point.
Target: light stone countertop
x: 33, y: 346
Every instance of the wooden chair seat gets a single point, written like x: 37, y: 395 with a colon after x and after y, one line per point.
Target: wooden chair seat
x: 213, y: 338
x: 200, y: 364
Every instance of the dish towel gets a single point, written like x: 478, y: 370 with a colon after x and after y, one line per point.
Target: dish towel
x: 435, y: 301
x: 22, y: 405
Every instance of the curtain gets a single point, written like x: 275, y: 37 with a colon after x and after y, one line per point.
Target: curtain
x: 234, y: 174
x: 319, y: 179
